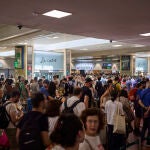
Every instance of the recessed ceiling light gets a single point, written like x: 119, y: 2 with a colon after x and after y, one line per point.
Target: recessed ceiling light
x: 138, y: 45
x: 116, y: 45
x: 145, y: 34
x: 57, y: 14
x: 84, y: 49
x: 55, y: 37
x: 23, y: 43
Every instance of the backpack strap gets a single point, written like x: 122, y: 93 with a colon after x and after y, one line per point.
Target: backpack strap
x: 75, y: 104
x: 72, y: 106
x: 65, y: 104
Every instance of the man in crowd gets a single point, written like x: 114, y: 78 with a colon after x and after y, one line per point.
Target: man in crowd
x: 86, y: 93
x: 15, y: 112
x: 32, y: 130
x: 79, y: 106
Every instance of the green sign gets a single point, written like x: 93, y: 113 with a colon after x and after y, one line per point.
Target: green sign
x: 16, y: 64
x: 19, y: 57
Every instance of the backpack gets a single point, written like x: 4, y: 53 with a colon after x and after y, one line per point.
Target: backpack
x: 4, y: 116
x: 99, y: 88
x: 70, y: 87
x: 70, y: 109
x: 30, y: 135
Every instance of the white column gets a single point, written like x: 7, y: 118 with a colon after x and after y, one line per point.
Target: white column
x: 148, y: 65
x: 64, y: 62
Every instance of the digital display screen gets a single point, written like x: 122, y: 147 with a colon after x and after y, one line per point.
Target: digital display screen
x: 107, y: 66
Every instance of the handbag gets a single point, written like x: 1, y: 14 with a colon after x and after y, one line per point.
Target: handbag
x: 119, y: 123
x: 4, y: 141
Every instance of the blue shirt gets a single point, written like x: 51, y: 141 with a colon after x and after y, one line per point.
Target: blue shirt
x: 145, y: 97
x: 44, y: 91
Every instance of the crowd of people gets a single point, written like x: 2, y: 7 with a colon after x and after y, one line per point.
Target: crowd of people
x: 74, y: 113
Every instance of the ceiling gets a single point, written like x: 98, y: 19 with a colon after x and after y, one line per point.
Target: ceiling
x: 120, y: 21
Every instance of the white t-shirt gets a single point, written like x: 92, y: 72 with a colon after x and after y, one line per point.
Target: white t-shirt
x: 93, y: 141
x: 51, y: 124
x: 57, y: 147
x: 110, y: 110
x: 78, y: 108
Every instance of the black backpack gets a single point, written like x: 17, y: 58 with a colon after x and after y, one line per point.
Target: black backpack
x: 4, y: 116
x: 70, y: 109
x: 30, y: 135
x: 70, y: 87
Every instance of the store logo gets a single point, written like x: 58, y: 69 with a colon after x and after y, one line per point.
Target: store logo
x: 47, y: 60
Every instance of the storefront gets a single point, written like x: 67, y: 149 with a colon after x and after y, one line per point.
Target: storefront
x: 48, y: 64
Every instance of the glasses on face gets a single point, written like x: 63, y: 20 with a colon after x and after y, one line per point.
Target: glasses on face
x: 92, y: 121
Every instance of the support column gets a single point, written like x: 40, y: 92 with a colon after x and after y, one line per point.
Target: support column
x: 120, y: 65
x: 67, y: 62
x: 20, y: 63
x: 148, y: 65
x: 132, y: 65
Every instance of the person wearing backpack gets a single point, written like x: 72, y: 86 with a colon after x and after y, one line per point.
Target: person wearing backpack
x: 73, y: 104
x: 32, y: 130
x: 15, y: 113
x: 86, y: 93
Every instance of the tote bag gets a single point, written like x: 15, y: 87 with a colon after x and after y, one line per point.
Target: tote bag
x: 119, y: 123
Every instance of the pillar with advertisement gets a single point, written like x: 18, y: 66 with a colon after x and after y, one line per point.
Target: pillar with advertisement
x: 20, y: 63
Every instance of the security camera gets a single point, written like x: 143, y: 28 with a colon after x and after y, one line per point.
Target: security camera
x: 20, y: 27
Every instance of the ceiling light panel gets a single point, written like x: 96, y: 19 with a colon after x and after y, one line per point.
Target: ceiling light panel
x: 145, y: 34
x: 57, y: 14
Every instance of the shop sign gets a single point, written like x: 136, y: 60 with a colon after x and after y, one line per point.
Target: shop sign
x: 84, y: 66
x: 48, y: 61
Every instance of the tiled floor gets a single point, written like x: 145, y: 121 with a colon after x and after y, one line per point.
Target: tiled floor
x: 133, y: 138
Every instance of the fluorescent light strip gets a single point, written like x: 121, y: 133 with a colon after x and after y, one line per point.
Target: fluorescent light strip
x: 116, y: 45
x: 145, y: 34
x: 8, y: 53
x: 57, y: 14
x: 71, y: 44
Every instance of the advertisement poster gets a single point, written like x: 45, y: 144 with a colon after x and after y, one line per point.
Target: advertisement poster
x: 125, y: 62
x: 19, y: 57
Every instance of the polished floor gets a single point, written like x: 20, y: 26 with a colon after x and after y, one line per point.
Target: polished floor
x: 133, y: 138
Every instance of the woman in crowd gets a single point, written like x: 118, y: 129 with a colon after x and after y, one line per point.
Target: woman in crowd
x: 115, y: 141
x: 53, y: 112
x: 106, y: 96
x: 129, y: 115
x: 60, y: 94
x: 93, y: 122
x: 68, y: 133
